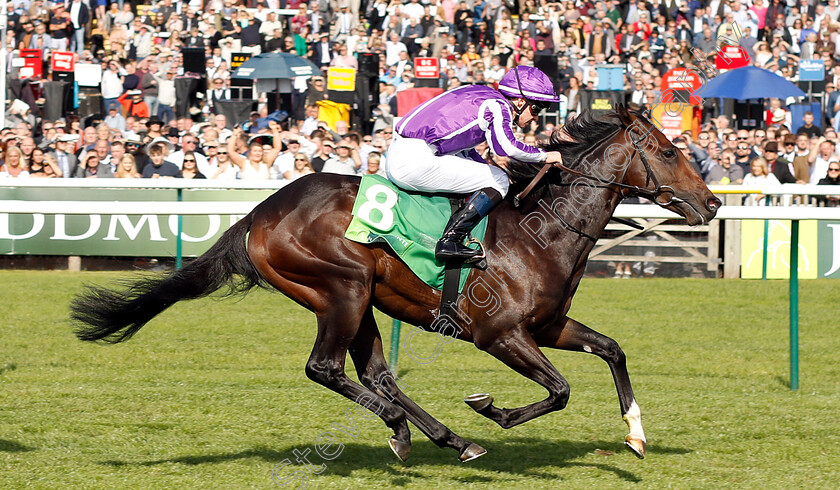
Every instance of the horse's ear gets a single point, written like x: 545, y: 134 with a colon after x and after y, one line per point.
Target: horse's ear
x: 623, y: 114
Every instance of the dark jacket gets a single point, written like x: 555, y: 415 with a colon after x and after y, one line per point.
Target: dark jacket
x: 782, y: 172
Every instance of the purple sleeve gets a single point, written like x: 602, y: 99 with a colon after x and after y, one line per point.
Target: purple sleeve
x: 496, y: 121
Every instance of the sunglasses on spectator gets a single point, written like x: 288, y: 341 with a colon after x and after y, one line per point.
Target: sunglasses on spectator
x: 189, y: 159
x: 300, y: 159
x: 222, y: 152
x: 835, y: 169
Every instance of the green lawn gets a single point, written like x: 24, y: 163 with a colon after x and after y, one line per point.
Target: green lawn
x: 212, y: 394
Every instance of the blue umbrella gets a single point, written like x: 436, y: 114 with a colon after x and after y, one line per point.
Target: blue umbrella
x: 278, y: 66
x: 749, y: 82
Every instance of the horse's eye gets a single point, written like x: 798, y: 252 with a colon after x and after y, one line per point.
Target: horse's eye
x: 669, y: 154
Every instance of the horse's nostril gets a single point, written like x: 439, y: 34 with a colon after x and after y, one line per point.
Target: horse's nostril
x: 713, y: 203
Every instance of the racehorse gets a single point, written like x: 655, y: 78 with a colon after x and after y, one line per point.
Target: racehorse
x: 294, y: 242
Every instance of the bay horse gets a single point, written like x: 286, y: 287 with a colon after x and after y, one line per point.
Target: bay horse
x: 294, y: 242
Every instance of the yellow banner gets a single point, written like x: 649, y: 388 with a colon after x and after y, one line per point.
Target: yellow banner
x: 778, y: 249
x: 341, y: 79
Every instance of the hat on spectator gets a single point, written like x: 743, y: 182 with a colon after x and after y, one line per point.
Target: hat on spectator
x: 160, y: 140
x: 771, y: 146
x: 263, y: 139
x: 68, y: 138
x: 173, y: 133
x: 135, y: 92
x: 133, y: 140
x: 154, y: 120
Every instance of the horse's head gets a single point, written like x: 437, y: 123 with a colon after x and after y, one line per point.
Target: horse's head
x: 661, y: 172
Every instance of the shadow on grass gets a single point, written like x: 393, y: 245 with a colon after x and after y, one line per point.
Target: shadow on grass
x: 515, y: 456
x: 13, y: 447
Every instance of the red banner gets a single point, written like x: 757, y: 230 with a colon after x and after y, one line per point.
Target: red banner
x: 426, y: 68
x: 32, y: 66
x: 730, y: 57
x: 63, y: 61
x: 678, y: 83
x: 412, y: 97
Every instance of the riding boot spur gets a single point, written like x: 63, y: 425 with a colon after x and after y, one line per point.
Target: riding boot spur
x: 451, y: 245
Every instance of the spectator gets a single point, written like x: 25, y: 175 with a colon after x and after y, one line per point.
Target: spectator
x: 92, y: 168
x: 253, y: 165
x: 760, y: 177
x: 346, y: 161
x: 823, y: 160
x: 189, y: 169
x: 127, y: 168
x: 832, y: 178
x: 158, y: 167
x: 778, y: 166
x: 301, y: 167
x: 132, y: 102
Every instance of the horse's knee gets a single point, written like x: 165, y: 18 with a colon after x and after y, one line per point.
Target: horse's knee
x: 322, y: 372
x: 559, y: 395
x: 613, y: 353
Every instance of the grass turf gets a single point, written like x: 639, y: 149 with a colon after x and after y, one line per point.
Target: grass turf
x: 213, y: 395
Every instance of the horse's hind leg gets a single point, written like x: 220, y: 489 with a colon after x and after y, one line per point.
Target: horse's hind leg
x: 369, y: 359
x: 519, y: 352
x: 573, y: 335
x: 336, y: 330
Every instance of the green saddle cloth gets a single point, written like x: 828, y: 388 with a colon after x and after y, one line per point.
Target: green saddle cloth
x: 411, y: 223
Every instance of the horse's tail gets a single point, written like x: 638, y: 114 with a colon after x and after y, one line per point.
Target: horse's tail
x: 115, y: 315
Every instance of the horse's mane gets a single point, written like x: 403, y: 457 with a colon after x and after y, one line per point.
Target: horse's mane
x: 574, y: 139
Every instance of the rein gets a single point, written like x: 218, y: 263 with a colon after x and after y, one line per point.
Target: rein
x: 634, y: 190
x: 652, y: 194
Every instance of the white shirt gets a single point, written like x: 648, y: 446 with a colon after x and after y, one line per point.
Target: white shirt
x: 75, y: 11
x: 112, y: 86
x: 820, y: 168
x: 282, y: 164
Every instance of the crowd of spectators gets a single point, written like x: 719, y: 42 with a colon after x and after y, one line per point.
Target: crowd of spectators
x: 140, y: 50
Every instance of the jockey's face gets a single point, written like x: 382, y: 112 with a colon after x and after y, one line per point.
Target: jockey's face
x: 526, y: 116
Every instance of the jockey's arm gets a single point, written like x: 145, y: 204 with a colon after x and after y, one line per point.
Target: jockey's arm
x: 495, y: 120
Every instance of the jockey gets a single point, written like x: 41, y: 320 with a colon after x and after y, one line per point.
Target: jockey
x: 433, y: 149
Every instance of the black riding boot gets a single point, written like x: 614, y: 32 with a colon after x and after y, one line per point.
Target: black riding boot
x: 451, y: 245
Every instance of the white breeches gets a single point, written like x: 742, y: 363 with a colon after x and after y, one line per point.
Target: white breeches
x: 413, y: 165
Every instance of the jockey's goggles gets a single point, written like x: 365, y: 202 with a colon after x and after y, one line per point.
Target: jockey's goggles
x: 537, y: 107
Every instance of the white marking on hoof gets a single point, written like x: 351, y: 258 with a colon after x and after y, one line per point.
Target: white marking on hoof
x: 633, y: 418
x: 479, y: 401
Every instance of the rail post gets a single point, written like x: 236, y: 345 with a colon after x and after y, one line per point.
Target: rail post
x: 395, y: 345
x: 794, y: 305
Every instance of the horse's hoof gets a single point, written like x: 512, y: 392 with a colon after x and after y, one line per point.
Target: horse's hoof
x: 400, y: 448
x: 636, y: 445
x: 471, y: 452
x: 479, y: 401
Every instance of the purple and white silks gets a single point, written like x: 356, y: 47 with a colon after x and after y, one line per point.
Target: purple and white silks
x: 458, y: 120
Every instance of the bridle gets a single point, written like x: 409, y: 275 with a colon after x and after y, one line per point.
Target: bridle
x: 633, y: 190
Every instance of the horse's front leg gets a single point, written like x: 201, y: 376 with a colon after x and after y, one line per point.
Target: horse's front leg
x: 572, y: 335
x: 518, y: 351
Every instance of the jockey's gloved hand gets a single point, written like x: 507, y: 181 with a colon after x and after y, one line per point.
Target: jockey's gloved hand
x: 553, y: 157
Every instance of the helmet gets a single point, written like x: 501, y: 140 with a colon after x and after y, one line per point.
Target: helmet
x: 528, y: 83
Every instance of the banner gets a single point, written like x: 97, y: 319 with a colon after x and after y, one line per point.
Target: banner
x: 426, y: 68
x: 63, y: 61
x: 341, y: 79
x: 778, y: 249
x: 678, y: 83
x: 236, y: 59
x: 811, y: 71
x: 115, y: 235
x: 731, y: 57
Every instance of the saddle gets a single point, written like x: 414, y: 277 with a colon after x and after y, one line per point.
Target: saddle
x: 410, y: 224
